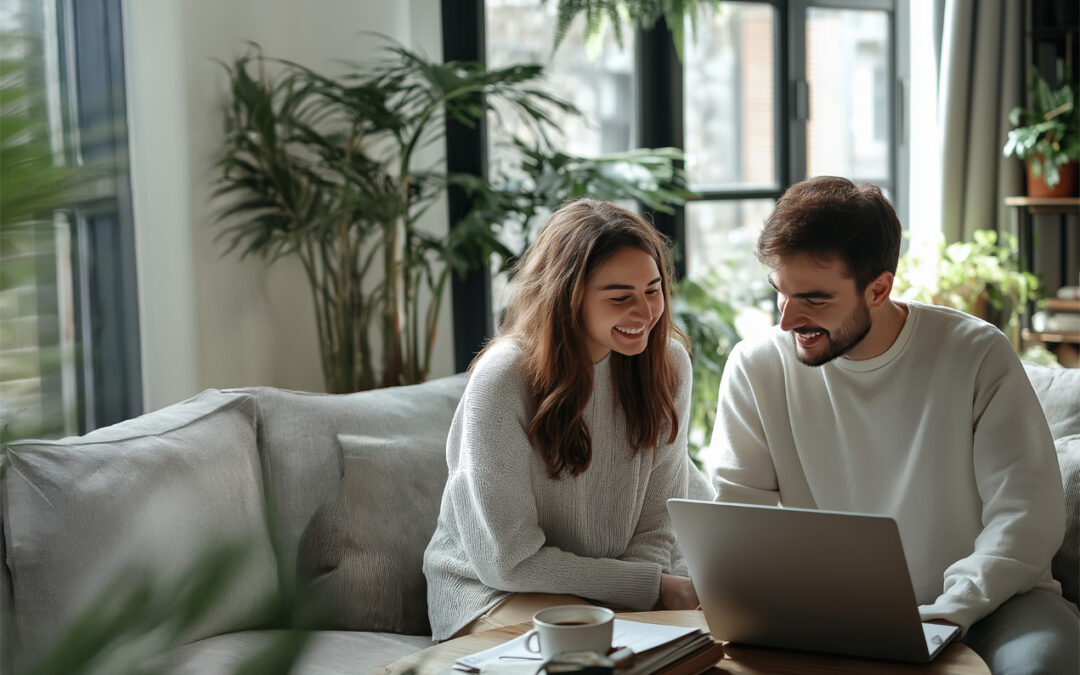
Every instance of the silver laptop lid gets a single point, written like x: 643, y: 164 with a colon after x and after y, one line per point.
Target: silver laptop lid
x: 801, y: 579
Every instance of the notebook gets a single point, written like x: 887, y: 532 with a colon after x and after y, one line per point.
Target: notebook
x: 805, y: 579
x: 656, y: 647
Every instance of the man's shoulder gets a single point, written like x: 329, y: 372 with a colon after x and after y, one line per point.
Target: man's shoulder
x: 762, y: 354
x: 945, y: 326
x: 939, y: 315
x: 765, y: 347
x: 965, y: 346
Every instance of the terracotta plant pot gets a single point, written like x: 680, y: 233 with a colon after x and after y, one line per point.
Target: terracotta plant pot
x: 1066, y: 187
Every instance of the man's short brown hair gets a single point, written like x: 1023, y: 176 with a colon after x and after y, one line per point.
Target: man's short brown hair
x: 828, y: 217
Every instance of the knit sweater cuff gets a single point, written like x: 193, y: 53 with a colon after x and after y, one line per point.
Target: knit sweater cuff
x: 640, y: 588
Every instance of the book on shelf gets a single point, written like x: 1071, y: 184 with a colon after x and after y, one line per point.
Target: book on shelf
x: 656, y: 648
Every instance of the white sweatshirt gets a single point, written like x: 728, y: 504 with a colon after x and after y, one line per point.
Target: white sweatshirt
x: 942, y: 432
x: 506, y: 527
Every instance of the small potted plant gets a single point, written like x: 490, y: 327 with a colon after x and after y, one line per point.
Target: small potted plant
x: 979, y: 277
x: 1047, y: 136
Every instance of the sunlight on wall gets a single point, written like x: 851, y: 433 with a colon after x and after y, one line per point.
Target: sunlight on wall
x: 924, y: 195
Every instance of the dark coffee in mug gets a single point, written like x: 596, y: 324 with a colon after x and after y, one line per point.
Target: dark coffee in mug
x: 571, y: 628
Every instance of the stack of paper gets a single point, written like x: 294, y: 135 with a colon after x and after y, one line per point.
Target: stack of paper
x: 688, y: 655
x: 656, y: 647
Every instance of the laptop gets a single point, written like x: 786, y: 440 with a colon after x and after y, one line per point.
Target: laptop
x: 804, y: 579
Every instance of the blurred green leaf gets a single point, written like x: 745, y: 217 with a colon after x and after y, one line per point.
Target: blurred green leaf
x: 980, y: 277
x: 138, y: 617
x: 602, y: 14
x: 709, y: 321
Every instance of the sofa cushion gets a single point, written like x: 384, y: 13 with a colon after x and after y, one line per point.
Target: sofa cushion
x: 1066, y: 564
x: 302, y: 463
x: 326, y: 653
x: 1058, y: 390
x: 146, y: 496
x: 361, y: 556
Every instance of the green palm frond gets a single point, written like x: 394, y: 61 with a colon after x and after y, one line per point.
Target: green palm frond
x: 327, y: 169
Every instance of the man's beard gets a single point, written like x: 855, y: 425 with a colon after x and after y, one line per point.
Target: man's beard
x: 850, y: 333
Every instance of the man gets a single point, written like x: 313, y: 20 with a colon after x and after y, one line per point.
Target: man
x: 857, y: 402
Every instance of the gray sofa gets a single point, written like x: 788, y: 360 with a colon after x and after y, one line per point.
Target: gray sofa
x: 336, y: 497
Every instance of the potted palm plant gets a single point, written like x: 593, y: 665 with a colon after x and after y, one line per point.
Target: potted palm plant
x: 329, y: 170
x: 1047, y: 135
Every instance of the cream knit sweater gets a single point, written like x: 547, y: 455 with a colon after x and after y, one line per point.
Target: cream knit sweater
x: 506, y: 527
x: 942, y: 432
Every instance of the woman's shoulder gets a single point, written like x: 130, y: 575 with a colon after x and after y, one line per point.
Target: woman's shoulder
x: 499, y: 365
x: 679, y: 355
x: 500, y: 353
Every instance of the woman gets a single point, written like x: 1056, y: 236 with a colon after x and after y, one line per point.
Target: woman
x: 570, y: 437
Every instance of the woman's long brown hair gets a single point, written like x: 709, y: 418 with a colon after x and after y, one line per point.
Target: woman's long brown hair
x: 545, y: 319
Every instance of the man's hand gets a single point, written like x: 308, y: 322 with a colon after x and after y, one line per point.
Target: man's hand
x: 676, y: 593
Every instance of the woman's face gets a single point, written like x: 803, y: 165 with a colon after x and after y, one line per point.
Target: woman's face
x: 623, y: 301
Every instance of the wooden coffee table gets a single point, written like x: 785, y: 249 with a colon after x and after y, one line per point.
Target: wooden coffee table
x: 956, y: 659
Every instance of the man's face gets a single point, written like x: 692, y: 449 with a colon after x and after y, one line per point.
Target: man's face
x: 821, y: 307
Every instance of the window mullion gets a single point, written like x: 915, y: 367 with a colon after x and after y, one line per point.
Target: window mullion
x: 796, y: 90
x: 466, y: 152
x: 660, y: 114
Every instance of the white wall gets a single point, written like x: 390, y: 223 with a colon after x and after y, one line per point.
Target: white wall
x: 209, y: 321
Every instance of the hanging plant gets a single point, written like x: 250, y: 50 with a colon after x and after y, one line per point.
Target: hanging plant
x: 644, y: 13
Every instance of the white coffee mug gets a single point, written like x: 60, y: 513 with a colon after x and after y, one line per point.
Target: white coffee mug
x: 571, y: 628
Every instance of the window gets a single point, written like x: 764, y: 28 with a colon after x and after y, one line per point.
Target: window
x: 734, y: 151
x: 847, y: 75
x: 768, y: 92
x: 68, y: 319
x: 777, y: 92
x: 598, y: 79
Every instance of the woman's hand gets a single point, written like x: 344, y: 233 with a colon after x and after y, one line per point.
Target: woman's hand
x: 676, y: 593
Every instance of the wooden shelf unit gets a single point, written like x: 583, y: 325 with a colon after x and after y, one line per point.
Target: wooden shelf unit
x: 1051, y: 336
x: 1061, y: 305
x: 1064, y: 344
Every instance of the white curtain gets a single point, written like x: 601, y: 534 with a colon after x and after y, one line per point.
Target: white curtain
x: 980, y: 80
